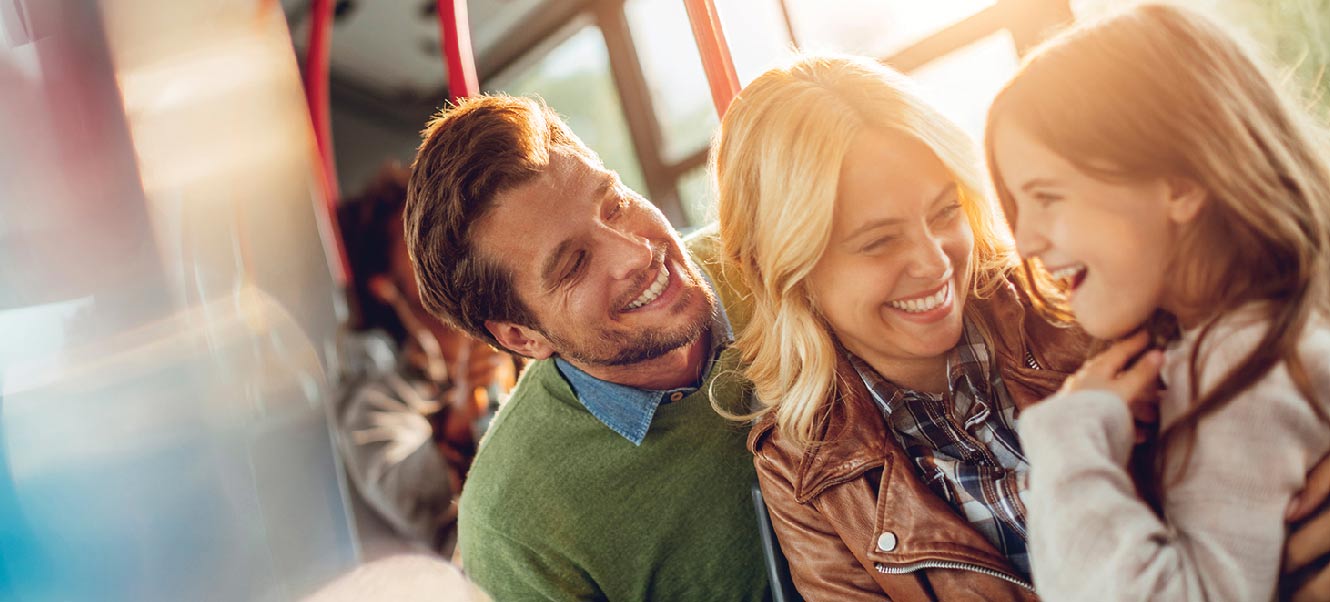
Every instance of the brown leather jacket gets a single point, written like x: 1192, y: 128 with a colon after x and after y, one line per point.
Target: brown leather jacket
x: 851, y: 514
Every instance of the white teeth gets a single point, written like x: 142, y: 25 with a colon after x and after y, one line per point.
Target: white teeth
x: 928, y: 303
x: 653, y: 291
x: 1068, y: 273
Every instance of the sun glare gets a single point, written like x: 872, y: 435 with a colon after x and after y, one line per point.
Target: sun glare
x: 960, y: 84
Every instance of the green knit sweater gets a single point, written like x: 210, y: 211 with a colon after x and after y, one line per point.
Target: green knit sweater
x: 559, y: 507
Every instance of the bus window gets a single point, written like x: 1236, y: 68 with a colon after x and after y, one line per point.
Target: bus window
x: 574, y: 78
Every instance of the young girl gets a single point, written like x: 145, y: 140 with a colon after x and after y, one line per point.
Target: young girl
x: 1150, y: 165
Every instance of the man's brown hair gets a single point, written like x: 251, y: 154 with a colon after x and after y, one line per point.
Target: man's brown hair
x: 470, y: 154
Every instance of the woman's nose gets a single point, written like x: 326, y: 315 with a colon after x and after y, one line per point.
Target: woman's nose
x: 929, y: 259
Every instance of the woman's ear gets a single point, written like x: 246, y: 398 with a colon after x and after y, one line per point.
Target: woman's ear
x: 526, y: 342
x: 1186, y: 197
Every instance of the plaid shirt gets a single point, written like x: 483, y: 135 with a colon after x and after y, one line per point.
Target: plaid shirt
x: 964, y: 443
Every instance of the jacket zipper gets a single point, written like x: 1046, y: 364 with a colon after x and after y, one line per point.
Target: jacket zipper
x: 1029, y: 361
x: 946, y: 564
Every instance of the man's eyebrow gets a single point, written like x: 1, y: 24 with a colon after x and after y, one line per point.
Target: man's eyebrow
x: 607, y: 181
x: 552, y: 261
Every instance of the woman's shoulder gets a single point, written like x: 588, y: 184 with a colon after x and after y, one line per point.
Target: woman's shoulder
x: 765, y: 439
x: 1024, y: 332
x: 850, y: 434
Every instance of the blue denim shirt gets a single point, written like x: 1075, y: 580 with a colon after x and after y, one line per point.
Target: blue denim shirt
x: 628, y: 410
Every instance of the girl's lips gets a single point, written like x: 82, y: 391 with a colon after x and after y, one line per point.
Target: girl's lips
x: 1071, y: 276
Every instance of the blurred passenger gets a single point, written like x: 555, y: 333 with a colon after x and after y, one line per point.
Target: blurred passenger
x: 409, y: 411
x: 607, y: 476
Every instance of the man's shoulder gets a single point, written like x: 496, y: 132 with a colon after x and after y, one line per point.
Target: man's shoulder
x: 704, y: 246
x: 535, y: 413
x: 518, y: 458
x: 534, y: 434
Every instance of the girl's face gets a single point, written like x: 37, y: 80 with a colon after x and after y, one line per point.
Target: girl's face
x: 893, y: 280
x: 1111, y: 242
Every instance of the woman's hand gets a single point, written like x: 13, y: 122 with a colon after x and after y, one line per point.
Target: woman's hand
x: 1136, y: 383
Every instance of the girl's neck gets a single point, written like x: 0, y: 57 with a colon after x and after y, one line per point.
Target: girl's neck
x: 1189, y: 316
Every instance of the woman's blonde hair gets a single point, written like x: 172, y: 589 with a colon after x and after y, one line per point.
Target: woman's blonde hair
x: 1161, y: 92
x: 777, y: 162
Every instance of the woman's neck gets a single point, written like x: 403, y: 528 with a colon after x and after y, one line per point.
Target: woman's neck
x: 926, y: 375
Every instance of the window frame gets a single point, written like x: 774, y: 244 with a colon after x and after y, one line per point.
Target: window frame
x: 1028, y: 21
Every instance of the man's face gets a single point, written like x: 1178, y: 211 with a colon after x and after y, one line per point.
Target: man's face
x: 599, y: 267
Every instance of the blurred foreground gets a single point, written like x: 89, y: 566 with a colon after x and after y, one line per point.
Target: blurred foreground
x: 168, y: 313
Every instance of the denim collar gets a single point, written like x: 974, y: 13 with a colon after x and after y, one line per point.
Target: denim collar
x: 629, y: 410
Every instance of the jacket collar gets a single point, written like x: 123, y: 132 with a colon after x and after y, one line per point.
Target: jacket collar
x: 852, y: 437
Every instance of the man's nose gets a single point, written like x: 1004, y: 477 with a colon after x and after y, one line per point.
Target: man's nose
x: 628, y: 254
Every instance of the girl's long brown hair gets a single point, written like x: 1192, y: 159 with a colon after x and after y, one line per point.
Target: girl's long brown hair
x: 1161, y: 92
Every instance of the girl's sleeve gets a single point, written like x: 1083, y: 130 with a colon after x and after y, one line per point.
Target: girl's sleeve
x: 1092, y: 538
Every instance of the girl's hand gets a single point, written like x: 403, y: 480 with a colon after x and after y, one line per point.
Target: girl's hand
x: 1137, y: 384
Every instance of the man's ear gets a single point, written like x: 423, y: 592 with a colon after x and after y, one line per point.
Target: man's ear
x: 1186, y: 197
x: 382, y: 288
x: 520, y: 340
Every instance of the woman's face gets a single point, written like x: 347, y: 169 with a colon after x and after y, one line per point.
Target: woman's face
x: 893, y: 280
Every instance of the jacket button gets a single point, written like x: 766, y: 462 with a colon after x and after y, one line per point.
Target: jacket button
x: 886, y: 541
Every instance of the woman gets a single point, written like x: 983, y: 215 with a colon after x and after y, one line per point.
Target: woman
x: 886, y: 447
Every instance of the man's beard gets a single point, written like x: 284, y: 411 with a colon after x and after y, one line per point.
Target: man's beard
x: 623, y: 349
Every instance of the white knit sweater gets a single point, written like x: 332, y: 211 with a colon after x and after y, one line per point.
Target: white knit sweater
x: 1091, y: 538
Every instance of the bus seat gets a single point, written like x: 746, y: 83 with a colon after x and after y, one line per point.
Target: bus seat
x: 778, y: 570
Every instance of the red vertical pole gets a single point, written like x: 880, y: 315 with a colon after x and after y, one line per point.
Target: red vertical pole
x: 716, y: 59
x: 316, y: 81
x: 455, y: 38
x: 316, y: 98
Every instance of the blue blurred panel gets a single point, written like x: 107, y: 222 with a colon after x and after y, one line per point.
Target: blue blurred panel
x: 175, y: 462
x: 168, y: 314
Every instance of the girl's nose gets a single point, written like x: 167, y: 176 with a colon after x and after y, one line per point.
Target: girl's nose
x: 1030, y: 241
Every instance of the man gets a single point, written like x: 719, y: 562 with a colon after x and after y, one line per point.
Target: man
x: 607, y: 475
